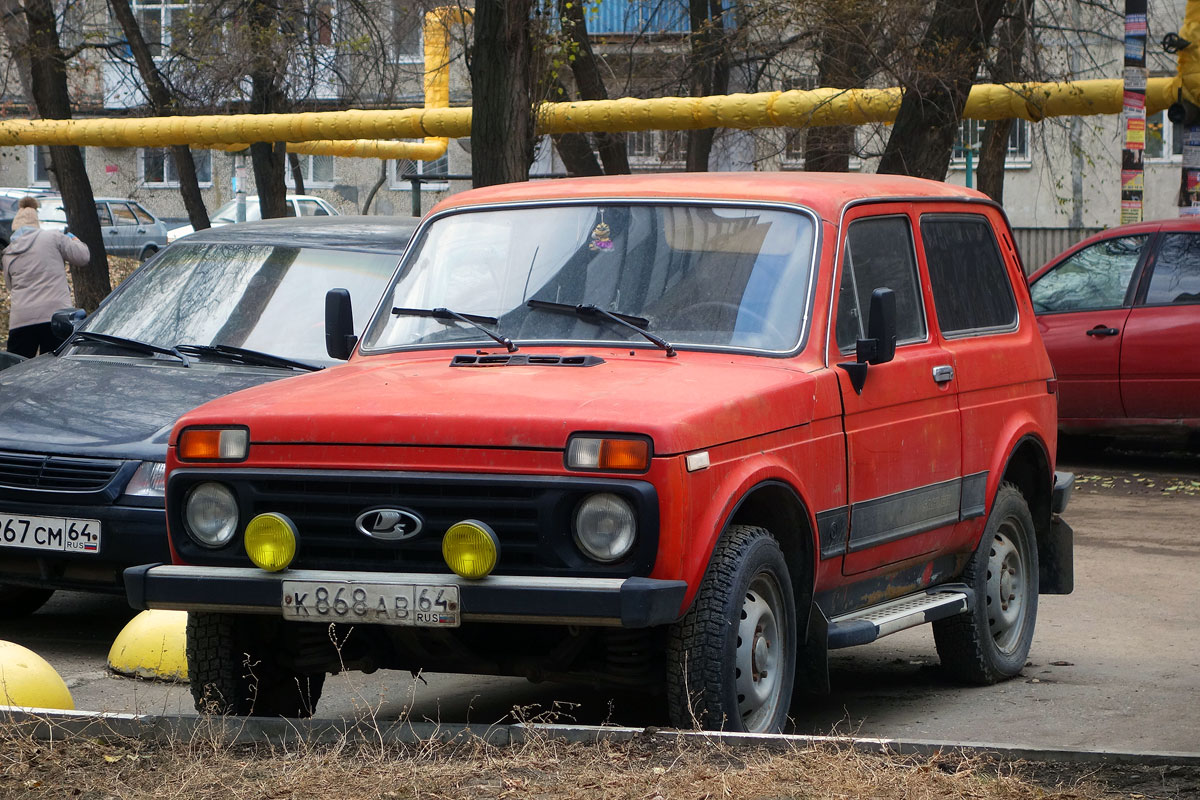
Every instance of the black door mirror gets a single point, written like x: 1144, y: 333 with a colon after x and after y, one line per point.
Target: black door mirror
x: 880, y: 345
x: 64, y: 322
x: 339, y: 324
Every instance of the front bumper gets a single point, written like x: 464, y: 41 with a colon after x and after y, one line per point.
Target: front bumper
x: 608, y: 602
x: 130, y: 535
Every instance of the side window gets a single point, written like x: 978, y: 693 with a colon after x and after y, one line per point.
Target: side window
x: 291, y: 209
x: 1095, y: 277
x: 143, y: 216
x: 311, y: 208
x: 122, y: 214
x: 1176, y: 276
x: 102, y: 213
x: 879, y: 253
x: 971, y: 288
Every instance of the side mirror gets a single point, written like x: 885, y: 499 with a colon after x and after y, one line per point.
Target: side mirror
x: 64, y: 322
x: 339, y: 324
x: 880, y: 345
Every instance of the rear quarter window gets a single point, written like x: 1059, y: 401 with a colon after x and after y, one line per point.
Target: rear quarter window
x: 971, y: 288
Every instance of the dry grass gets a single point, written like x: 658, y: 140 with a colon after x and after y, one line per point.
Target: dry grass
x: 205, y: 767
x: 118, y: 270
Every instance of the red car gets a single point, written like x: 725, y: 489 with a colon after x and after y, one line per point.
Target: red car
x: 1118, y: 313
x: 686, y: 432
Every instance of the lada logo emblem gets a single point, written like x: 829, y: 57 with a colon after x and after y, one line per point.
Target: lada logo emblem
x: 389, y: 524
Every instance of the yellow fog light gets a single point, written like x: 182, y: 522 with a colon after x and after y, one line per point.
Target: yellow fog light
x: 471, y: 549
x: 271, y: 541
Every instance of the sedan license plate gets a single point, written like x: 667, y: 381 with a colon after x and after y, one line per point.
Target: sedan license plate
x: 61, y: 534
x: 417, y: 604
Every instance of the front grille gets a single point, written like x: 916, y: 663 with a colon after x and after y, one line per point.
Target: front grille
x: 56, y: 473
x: 531, y: 515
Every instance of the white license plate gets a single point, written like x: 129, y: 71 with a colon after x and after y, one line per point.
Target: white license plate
x: 61, y: 534
x: 425, y: 605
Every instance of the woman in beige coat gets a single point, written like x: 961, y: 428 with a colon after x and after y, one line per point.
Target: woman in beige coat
x: 37, y: 279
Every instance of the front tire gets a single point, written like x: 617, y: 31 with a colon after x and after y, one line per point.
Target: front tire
x: 234, y: 668
x: 991, y: 642
x: 732, y: 658
x: 17, y: 602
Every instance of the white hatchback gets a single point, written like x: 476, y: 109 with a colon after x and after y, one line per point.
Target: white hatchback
x: 301, y: 205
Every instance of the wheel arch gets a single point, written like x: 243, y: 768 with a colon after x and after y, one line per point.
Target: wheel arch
x: 778, y: 507
x: 1028, y: 467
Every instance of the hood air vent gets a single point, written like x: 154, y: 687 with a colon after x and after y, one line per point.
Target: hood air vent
x: 519, y: 360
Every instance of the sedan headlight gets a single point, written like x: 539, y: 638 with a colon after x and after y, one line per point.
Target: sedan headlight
x: 210, y: 514
x: 150, y: 480
x: 605, y: 527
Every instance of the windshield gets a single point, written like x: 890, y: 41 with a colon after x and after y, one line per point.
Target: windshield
x: 720, y: 276
x: 260, y: 297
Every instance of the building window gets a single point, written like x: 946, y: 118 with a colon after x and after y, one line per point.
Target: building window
x: 793, y: 147
x: 39, y: 163
x: 401, y: 168
x: 158, y: 167
x: 407, y: 40
x: 1164, y: 139
x: 316, y: 171
x: 656, y: 148
x: 161, y: 24
x: 971, y: 133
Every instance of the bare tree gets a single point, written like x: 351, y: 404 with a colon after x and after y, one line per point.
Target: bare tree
x: 501, y: 64
x: 48, y: 78
x: 163, y: 103
x: 707, y: 70
x: 1006, y: 67
x: 940, y: 73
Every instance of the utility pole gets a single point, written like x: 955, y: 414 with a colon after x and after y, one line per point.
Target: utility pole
x: 1133, y: 112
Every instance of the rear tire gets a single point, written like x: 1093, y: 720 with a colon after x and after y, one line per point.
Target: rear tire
x: 21, y: 601
x: 732, y: 658
x: 991, y: 642
x: 234, y: 668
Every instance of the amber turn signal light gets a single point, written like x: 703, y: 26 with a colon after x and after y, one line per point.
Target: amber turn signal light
x: 609, y: 454
x: 213, y: 444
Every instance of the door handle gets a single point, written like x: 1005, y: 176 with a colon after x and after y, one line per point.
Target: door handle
x: 943, y: 373
x: 1101, y: 330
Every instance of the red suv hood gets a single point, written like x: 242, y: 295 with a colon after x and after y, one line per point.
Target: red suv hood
x: 693, y: 401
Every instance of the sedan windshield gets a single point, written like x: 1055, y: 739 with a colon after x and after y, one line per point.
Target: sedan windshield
x: 710, y: 276
x: 265, y: 298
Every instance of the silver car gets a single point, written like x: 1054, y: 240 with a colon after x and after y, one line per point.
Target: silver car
x: 129, y: 230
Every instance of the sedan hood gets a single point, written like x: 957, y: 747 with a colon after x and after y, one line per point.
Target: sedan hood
x: 685, y: 403
x: 122, y: 408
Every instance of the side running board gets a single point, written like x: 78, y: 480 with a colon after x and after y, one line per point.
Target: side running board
x: 874, y: 622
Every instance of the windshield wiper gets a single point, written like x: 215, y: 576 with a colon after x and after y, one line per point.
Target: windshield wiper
x: 446, y: 315
x: 130, y: 344
x: 638, y: 324
x: 240, y: 355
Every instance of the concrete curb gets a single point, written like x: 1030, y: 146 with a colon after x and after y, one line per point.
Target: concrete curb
x: 54, y: 724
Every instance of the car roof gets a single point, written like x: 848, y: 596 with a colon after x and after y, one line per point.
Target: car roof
x: 1116, y: 232
x: 827, y: 193
x: 347, y: 232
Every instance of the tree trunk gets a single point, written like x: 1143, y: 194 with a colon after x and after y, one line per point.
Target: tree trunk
x: 842, y: 65
x: 586, y: 69
x: 709, y: 70
x: 268, y: 159
x: 163, y: 105
x: 12, y: 17
x: 947, y: 63
x: 297, y: 173
x: 48, y: 73
x: 1010, y: 47
x: 502, y: 128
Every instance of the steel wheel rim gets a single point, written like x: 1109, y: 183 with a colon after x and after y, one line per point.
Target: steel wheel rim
x: 758, y: 661
x: 1007, y: 584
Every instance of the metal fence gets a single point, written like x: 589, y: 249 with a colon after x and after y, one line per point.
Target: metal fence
x: 1039, y: 245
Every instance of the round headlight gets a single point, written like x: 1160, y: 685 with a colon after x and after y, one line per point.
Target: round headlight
x: 471, y: 548
x: 605, y: 527
x: 210, y: 514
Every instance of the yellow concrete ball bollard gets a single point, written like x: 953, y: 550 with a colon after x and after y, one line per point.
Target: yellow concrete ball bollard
x: 152, y: 645
x: 28, y: 680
